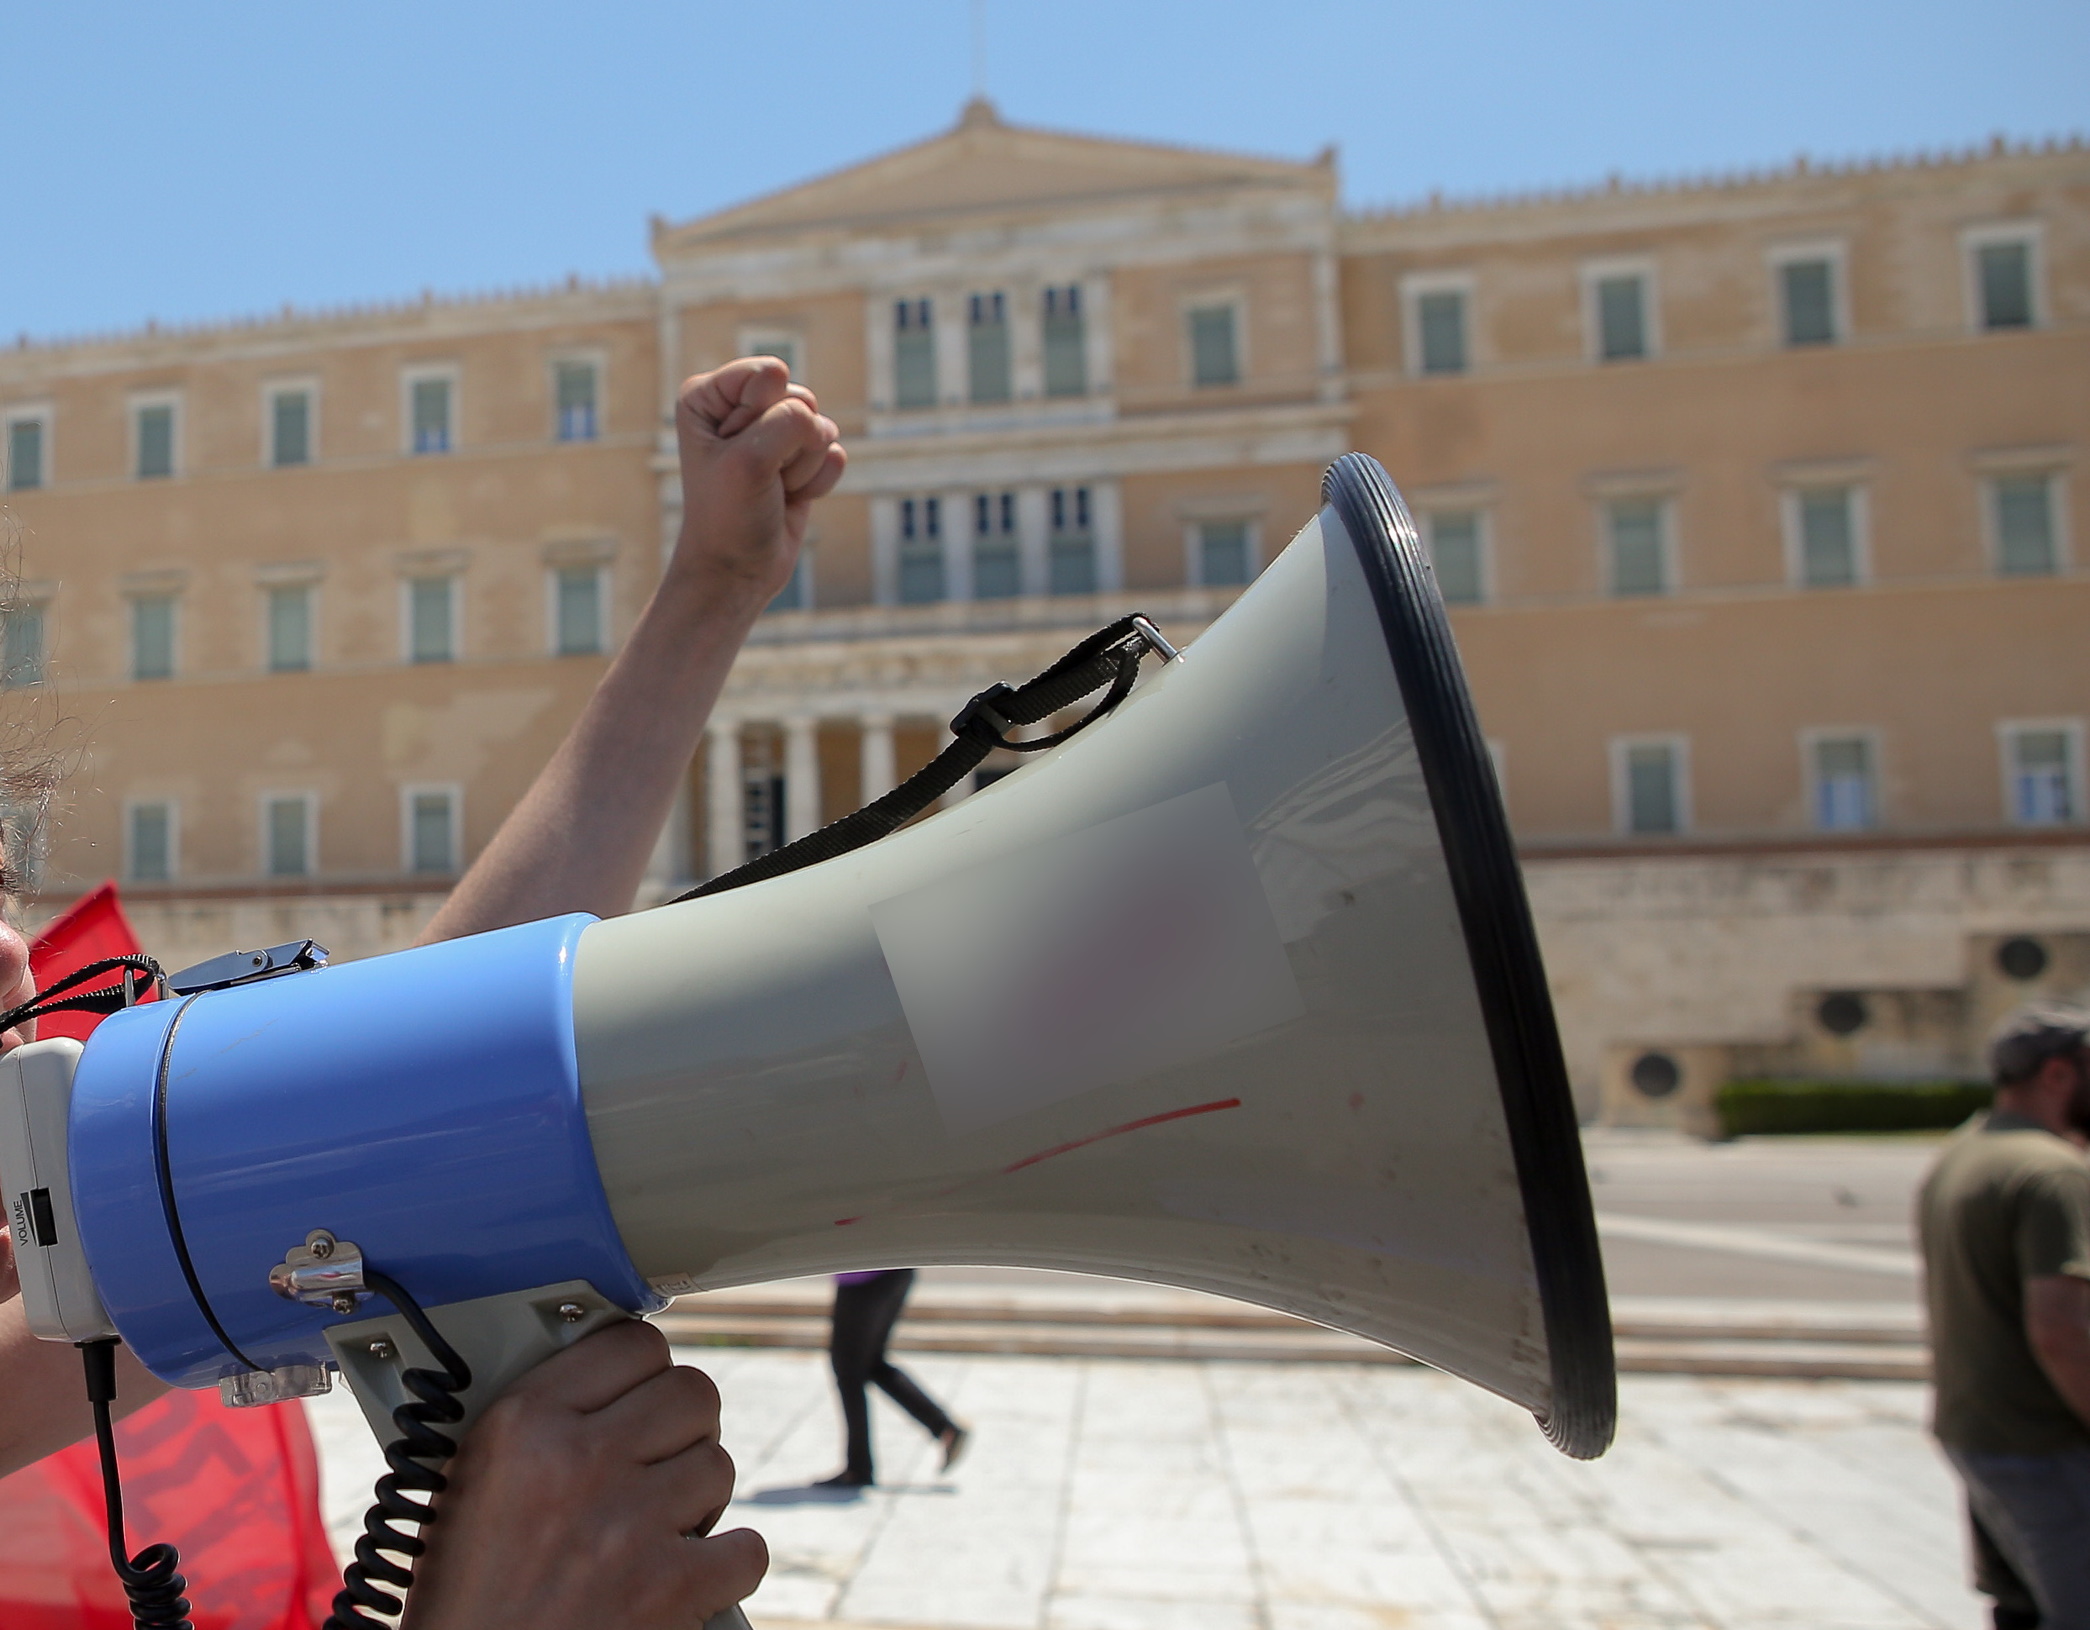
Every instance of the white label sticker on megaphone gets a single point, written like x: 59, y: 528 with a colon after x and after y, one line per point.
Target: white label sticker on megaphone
x: 1135, y: 946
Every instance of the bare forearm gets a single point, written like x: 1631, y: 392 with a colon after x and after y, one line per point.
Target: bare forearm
x: 45, y: 1393
x: 580, y: 838
x: 2057, y: 1322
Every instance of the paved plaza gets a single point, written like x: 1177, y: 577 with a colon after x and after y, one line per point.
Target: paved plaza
x: 1114, y: 1495
x: 1222, y: 1494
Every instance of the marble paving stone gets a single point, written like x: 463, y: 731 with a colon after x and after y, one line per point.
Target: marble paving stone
x: 1117, y: 1495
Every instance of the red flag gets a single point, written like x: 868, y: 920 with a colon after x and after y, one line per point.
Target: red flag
x: 237, y: 1490
x: 91, y: 928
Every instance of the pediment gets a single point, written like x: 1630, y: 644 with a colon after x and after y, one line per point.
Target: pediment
x: 984, y: 164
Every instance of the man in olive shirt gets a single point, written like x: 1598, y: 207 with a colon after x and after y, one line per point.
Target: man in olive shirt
x: 2005, y: 1222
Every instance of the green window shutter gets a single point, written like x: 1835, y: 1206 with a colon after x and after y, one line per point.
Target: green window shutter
x: 431, y: 415
x: 289, y: 838
x: 21, y: 645
x: 155, y: 441
x: 1652, y: 804
x: 1621, y: 318
x: 25, y: 455
x: 1222, y: 549
x: 431, y: 619
x: 914, y: 355
x: 152, y: 843
x: 1214, y: 359
x: 987, y: 350
x: 1440, y: 318
x: 1637, y: 563
x: 432, y: 833
x: 1809, y: 293
x: 1066, y: 344
x: 1828, y: 539
x: 793, y: 596
x: 574, y: 388
x: 2042, y: 778
x: 290, y: 629
x: 1455, y: 553
x: 1843, y: 784
x: 579, y: 610
x: 152, y: 637
x: 2025, y: 526
x: 291, y: 423
x: 2006, y: 284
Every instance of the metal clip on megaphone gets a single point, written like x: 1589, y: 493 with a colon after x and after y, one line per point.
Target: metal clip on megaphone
x: 1239, y: 994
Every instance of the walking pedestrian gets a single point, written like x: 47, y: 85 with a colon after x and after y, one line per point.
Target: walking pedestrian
x: 2005, y: 1223
x: 867, y: 1306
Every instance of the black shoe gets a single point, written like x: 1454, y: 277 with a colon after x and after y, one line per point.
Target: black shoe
x: 843, y: 1480
x: 953, y: 1438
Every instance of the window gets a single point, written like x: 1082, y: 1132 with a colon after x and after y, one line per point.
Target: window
x: 573, y: 396
x: 921, y: 551
x: 1455, y: 552
x: 1066, y: 343
x: 431, y: 619
x: 1225, y: 554
x: 152, y: 636
x: 914, y: 355
x: 1807, y: 299
x: 2003, y: 283
x: 286, y: 834
x: 1651, y: 792
x: 1071, y: 550
x: 290, y: 628
x: 149, y: 839
x: 1637, y: 530
x: 1437, y: 330
x: 290, y: 427
x: 152, y: 425
x: 987, y: 348
x: 1824, y: 524
x: 2043, y: 773
x: 1620, y: 303
x: 21, y: 645
x: 26, y: 454
x: 429, y: 410
x: 577, y: 610
x: 430, y: 818
x: 784, y: 347
x: 1214, y: 358
x: 2022, y: 516
x: 1842, y: 772
x: 997, y: 564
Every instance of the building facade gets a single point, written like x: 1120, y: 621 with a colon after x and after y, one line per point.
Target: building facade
x: 1756, y: 503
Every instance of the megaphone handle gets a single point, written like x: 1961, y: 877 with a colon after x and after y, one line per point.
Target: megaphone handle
x: 500, y: 1336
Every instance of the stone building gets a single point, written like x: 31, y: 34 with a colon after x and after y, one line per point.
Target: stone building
x: 1755, y: 500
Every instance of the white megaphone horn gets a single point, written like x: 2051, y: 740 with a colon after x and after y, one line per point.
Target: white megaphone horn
x: 1237, y: 992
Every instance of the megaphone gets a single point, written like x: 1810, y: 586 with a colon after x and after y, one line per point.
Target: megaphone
x: 1237, y: 991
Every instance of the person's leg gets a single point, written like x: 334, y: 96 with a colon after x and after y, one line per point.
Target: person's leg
x: 896, y: 1383
x: 1996, y: 1579
x: 853, y: 1347
x: 2037, y: 1510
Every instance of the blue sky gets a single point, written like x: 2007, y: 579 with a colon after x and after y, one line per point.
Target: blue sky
x: 186, y: 162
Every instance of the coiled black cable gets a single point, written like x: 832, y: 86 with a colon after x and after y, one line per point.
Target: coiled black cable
x: 374, y: 1582
x: 151, y: 1578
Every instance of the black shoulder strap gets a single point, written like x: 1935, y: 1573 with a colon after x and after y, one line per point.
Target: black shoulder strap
x: 1109, y: 656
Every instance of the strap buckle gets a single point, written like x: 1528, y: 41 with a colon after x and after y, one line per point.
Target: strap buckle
x: 980, y: 719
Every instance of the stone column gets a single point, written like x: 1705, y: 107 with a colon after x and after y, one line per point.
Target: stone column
x: 725, y: 835
x: 879, y: 773
x: 801, y: 777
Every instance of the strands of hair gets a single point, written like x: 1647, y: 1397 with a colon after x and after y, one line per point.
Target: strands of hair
x: 34, y: 760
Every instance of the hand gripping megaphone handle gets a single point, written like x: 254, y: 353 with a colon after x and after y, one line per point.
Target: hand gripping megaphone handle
x: 390, y: 1360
